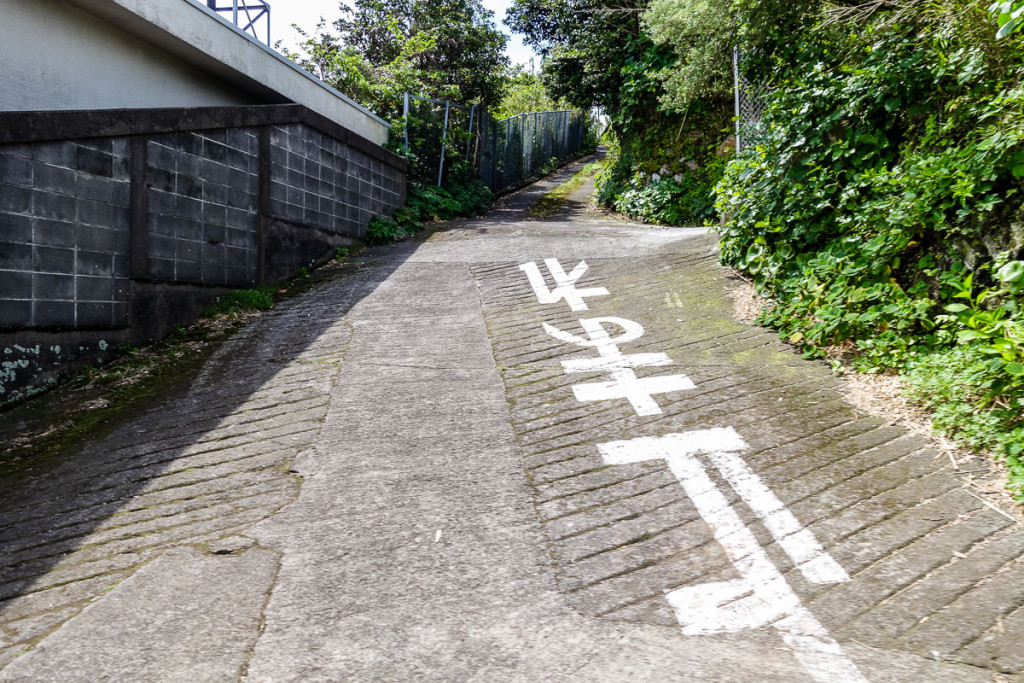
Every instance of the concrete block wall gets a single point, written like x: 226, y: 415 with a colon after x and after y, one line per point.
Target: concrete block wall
x: 138, y: 220
x: 319, y: 181
x: 64, y: 233
x: 202, y: 192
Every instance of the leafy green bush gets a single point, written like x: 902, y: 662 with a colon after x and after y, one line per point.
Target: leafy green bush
x: 959, y: 385
x: 665, y: 170
x: 462, y: 195
x: 876, y: 201
x: 688, y: 200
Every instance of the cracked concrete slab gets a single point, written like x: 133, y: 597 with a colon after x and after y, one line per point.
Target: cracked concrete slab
x: 186, y: 616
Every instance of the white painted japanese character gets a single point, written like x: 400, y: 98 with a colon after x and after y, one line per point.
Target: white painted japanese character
x: 761, y: 596
x: 565, y: 284
x: 622, y: 381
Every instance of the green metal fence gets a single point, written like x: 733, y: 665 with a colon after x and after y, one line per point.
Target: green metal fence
x: 440, y: 134
x: 516, y: 148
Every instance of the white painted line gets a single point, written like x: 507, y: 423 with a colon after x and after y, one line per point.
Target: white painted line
x: 761, y: 597
x: 622, y: 382
x: 598, y: 336
x: 639, y: 391
x: 814, y: 563
x: 565, y: 284
x: 623, y: 361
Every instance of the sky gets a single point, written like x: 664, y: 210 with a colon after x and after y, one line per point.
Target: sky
x: 306, y: 13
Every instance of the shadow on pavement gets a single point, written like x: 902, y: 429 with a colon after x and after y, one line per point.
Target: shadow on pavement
x: 195, y: 466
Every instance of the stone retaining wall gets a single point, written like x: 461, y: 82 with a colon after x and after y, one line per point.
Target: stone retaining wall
x: 117, y: 226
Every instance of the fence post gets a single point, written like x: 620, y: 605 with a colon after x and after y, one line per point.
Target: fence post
x: 469, y: 141
x: 533, y: 140
x: 736, y: 90
x: 405, y: 121
x: 444, y: 141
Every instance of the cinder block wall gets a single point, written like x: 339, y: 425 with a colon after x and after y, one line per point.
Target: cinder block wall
x: 116, y: 226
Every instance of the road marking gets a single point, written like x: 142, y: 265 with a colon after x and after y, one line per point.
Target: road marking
x: 622, y: 382
x: 803, y: 548
x: 565, y: 284
x: 761, y: 597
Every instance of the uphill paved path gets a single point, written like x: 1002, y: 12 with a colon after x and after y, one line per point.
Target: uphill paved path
x: 523, y: 449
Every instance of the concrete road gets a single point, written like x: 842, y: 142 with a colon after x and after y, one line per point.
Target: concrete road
x: 524, y: 449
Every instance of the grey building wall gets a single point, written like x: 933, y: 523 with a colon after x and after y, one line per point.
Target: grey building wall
x: 135, y: 221
x: 117, y: 54
x: 202, y: 194
x: 320, y: 181
x: 58, y: 56
x: 64, y: 233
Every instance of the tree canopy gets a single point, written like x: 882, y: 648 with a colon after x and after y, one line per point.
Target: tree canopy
x: 378, y: 50
x: 525, y: 92
x: 594, y: 55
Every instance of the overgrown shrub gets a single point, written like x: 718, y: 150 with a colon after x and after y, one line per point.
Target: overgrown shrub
x: 666, y: 171
x: 877, y: 207
x: 462, y: 195
x: 684, y: 199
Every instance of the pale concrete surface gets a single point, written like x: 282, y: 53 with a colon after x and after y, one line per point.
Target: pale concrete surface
x: 186, y: 616
x: 137, y: 54
x: 454, y: 521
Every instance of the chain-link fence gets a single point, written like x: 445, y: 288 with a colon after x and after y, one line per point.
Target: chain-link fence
x: 750, y: 103
x: 516, y: 148
x: 439, y: 135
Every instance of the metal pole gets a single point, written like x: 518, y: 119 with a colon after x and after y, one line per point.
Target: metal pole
x: 444, y: 141
x: 235, y: 13
x: 268, y: 23
x: 405, y: 121
x: 533, y: 143
x: 469, y: 141
x: 736, y: 90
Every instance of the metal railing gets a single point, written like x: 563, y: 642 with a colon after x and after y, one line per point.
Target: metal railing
x: 252, y: 16
x: 502, y: 153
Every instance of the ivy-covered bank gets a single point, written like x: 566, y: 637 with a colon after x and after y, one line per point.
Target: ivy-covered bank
x: 881, y: 205
x: 665, y: 159
x: 666, y: 172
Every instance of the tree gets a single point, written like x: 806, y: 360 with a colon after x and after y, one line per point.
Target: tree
x: 593, y: 53
x: 526, y: 92
x: 702, y: 34
x: 340, y: 66
x: 446, y: 49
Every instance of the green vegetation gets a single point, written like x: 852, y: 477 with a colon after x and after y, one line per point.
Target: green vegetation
x: 1009, y: 15
x: 632, y: 188
x: 525, y: 92
x: 880, y: 205
x: 663, y: 165
x: 462, y: 195
x: 239, y: 300
x: 445, y: 49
